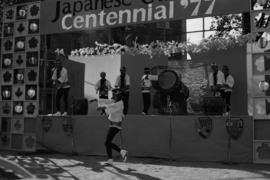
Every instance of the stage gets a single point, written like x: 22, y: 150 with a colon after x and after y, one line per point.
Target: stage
x: 174, y: 137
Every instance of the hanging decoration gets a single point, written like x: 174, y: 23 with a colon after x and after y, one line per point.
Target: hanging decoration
x: 162, y: 48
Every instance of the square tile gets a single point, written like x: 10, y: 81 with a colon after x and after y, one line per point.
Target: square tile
x: 31, y: 109
x: 29, y: 142
x: 5, y: 124
x: 262, y: 152
x: 7, y: 45
x: 18, y: 93
x: 17, y: 126
x: 34, y: 11
x: 5, y: 141
x: 29, y: 125
x: 9, y: 14
x: 32, y: 59
x: 7, y: 77
x: 31, y: 92
x: 31, y: 76
x: 6, y: 108
x: 19, y: 60
x: 21, y: 28
x: 33, y: 43
x: 8, y: 29
x: 18, y: 76
x: 18, y: 108
x: 7, y: 61
x: 6, y: 93
x: 17, y: 141
x: 33, y: 26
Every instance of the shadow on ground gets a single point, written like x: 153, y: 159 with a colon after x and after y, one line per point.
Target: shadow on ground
x: 61, y: 166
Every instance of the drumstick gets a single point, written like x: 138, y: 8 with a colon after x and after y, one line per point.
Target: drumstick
x: 92, y: 84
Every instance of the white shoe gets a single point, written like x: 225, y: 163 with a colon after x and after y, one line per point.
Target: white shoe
x: 109, y: 162
x: 58, y: 113
x: 124, y: 154
x: 65, y: 114
x: 143, y: 113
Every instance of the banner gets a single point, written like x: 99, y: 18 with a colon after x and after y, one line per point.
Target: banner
x: 75, y: 15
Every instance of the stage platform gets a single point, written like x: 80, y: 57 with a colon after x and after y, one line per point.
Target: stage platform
x: 160, y: 136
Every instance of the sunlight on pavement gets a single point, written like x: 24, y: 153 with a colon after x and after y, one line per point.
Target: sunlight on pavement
x: 91, y: 167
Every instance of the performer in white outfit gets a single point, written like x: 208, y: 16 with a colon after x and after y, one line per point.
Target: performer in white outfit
x: 114, y: 111
x: 60, y: 80
x: 216, y: 80
x: 146, y: 90
x: 226, y: 89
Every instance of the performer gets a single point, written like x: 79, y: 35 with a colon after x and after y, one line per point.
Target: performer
x: 226, y: 89
x: 183, y: 96
x: 114, y: 110
x: 216, y: 80
x: 60, y: 80
x: 146, y: 90
x: 103, y: 86
x: 123, y: 83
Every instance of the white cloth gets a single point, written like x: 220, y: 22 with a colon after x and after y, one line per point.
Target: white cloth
x: 63, y: 76
x: 115, y: 111
x: 220, y: 78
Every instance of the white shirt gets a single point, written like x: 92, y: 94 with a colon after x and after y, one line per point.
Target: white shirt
x: 63, y: 76
x: 118, y: 81
x: 220, y: 78
x: 115, y: 111
x: 146, y: 84
x: 230, y: 82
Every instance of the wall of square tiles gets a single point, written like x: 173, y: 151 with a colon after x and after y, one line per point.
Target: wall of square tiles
x: 20, y: 54
x: 258, y: 58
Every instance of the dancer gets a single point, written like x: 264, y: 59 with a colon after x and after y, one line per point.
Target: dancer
x: 114, y: 111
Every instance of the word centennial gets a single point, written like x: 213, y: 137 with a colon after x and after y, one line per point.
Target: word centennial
x: 90, y: 14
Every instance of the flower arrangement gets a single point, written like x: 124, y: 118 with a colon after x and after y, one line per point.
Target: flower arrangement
x: 158, y: 48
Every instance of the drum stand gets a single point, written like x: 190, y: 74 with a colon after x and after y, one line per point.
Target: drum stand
x: 229, y: 160
x: 169, y: 109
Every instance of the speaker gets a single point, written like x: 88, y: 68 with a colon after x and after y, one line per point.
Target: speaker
x: 80, y: 106
x: 213, y: 105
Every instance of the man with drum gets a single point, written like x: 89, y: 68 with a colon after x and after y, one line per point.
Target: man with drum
x: 226, y: 89
x: 216, y: 80
x: 145, y: 90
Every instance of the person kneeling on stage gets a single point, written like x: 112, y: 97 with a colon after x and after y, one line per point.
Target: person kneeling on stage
x: 227, y: 89
x: 114, y: 111
x: 60, y: 80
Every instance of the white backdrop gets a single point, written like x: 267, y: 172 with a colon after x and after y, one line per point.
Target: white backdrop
x: 93, y: 66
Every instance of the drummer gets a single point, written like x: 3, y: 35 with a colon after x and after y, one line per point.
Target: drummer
x: 183, y: 96
x: 146, y: 90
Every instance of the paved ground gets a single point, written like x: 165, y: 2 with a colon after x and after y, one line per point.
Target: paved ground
x: 68, y: 167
